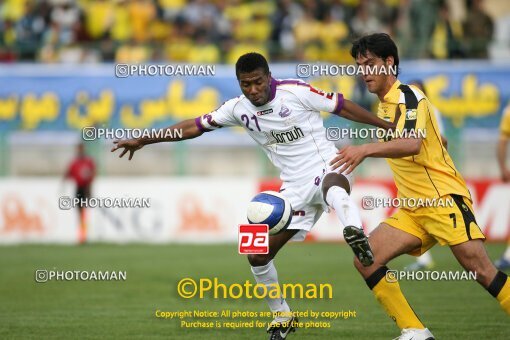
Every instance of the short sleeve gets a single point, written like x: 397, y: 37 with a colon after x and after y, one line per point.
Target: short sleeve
x: 315, y: 99
x: 221, y: 117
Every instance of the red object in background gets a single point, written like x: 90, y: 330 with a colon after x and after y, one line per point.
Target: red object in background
x: 7, y: 56
x: 82, y: 171
x: 270, y: 184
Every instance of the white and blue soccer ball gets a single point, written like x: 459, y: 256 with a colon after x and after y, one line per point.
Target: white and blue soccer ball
x: 271, y: 208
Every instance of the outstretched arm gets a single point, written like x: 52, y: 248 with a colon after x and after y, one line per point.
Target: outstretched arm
x: 349, y: 157
x: 172, y: 133
x: 356, y: 113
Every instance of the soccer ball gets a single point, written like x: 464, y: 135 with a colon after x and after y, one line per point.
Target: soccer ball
x: 271, y: 208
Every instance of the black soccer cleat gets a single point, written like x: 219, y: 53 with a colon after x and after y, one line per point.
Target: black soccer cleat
x: 280, y: 330
x: 358, y: 241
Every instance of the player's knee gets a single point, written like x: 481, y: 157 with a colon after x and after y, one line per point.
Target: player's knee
x: 257, y: 260
x: 334, y: 179
x: 484, y: 274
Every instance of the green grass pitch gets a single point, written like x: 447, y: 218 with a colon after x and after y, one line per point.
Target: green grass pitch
x: 126, y: 309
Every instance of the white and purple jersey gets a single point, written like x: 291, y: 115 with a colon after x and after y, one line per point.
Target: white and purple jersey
x: 289, y: 127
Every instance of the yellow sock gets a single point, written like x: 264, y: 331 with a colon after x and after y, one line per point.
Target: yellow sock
x: 391, y: 298
x: 500, y: 289
x: 504, y: 297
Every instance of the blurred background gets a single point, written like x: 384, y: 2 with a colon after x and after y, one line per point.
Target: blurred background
x: 57, y: 75
x: 92, y: 31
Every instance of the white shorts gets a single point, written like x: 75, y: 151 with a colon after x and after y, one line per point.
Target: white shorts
x: 307, y: 202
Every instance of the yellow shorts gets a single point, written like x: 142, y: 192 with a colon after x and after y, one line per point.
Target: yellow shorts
x: 449, y: 224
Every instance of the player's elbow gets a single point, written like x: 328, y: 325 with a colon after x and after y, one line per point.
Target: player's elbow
x: 346, y: 111
x: 414, y: 146
x: 195, y: 132
x: 350, y: 108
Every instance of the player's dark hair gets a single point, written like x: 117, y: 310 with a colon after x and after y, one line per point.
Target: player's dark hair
x: 250, y: 62
x: 379, y: 44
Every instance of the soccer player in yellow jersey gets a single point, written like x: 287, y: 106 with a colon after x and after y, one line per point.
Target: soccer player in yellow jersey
x: 422, y: 169
x: 425, y: 260
x: 504, y: 262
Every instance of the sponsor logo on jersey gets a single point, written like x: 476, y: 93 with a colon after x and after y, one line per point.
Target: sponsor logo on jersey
x: 287, y: 136
x: 264, y: 112
x: 285, y: 111
x: 411, y: 114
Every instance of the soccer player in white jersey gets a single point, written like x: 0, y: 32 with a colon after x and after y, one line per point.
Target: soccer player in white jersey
x: 283, y: 117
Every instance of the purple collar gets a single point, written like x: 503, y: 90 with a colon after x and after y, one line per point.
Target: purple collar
x: 272, y: 91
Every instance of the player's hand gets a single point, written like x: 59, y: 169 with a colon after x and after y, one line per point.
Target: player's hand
x: 391, y: 126
x: 348, y: 158
x: 130, y: 145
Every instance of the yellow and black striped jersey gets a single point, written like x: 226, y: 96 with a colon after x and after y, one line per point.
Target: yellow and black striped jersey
x: 431, y: 173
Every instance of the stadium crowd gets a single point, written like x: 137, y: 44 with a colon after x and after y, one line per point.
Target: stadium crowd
x: 76, y: 31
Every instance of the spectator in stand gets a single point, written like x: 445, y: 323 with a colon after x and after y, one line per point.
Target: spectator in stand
x: 478, y: 30
x: 422, y: 15
x: 82, y: 31
x: 286, y: 16
x: 445, y: 43
x: 30, y: 29
x: 66, y: 15
x: 364, y: 23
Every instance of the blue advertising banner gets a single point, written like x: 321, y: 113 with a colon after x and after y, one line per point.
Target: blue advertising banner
x: 67, y: 98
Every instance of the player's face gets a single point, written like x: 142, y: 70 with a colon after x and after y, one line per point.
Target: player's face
x: 256, y: 86
x: 375, y: 82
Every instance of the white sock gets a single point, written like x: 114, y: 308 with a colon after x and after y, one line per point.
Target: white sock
x: 267, y: 275
x: 506, y: 255
x: 345, y: 208
x: 425, y: 259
